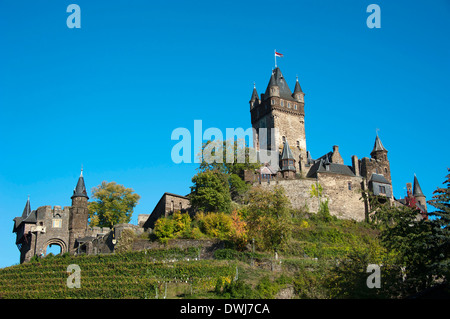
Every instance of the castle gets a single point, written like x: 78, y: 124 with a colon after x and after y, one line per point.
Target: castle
x: 296, y: 171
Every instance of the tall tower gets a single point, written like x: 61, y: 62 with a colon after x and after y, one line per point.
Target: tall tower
x: 78, y: 213
x: 279, y: 108
x: 379, y: 154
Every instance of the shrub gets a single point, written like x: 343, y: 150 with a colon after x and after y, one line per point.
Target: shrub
x: 217, y: 225
x: 164, y: 229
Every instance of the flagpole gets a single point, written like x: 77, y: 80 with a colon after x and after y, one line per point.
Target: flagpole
x: 275, y: 54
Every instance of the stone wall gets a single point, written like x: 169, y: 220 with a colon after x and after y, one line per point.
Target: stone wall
x: 167, y: 205
x: 343, y: 202
x: 51, y: 228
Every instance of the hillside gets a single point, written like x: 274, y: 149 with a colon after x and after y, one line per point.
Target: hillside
x: 299, y: 271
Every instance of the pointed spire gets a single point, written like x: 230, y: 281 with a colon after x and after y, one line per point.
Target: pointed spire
x: 297, y: 87
x: 417, y: 191
x: 286, y: 153
x: 27, y: 209
x: 254, y: 93
x: 80, y: 189
x: 287, y: 159
x: 272, y: 81
x: 378, y: 152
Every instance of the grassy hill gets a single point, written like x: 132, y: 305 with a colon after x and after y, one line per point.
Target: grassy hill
x: 301, y: 270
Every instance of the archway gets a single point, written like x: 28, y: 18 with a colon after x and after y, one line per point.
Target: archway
x: 54, y: 249
x: 55, y: 246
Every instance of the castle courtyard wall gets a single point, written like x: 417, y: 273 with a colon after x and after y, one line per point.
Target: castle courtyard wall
x: 343, y: 202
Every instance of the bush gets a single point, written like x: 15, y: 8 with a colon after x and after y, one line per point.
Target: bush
x: 218, y: 225
x: 164, y: 229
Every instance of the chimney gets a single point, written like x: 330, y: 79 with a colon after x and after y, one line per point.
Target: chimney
x: 355, y: 165
x: 336, y: 157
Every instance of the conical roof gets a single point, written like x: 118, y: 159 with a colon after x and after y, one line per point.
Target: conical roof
x: 277, y: 79
x: 297, y: 87
x: 287, y: 159
x: 254, y: 94
x: 286, y: 153
x: 417, y: 191
x: 80, y: 189
x: 378, y: 146
x: 27, y: 209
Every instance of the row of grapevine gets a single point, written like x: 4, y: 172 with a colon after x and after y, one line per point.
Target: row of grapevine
x: 108, y: 276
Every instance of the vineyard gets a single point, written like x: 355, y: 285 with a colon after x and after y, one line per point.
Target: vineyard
x: 302, y: 269
x: 129, y: 275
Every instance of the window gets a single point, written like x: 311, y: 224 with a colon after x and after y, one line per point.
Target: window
x: 385, y: 170
x: 382, y: 189
x: 289, y: 105
x: 56, y: 223
x: 295, y: 106
x: 282, y: 103
x: 171, y: 206
x: 273, y: 102
x: 298, y: 144
x: 349, y: 185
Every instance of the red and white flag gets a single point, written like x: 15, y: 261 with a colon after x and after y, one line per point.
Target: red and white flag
x: 278, y: 54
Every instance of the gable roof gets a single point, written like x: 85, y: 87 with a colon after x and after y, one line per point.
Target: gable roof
x: 324, y: 166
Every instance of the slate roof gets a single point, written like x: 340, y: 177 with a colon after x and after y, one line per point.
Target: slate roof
x: 277, y: 79
x: 254, y: 95
x: 378, y: 178
x: 80, y: 189
x: 286, y: 153
x: 378, y: 146
x: 297, y: 87
x: 417, y: 191
x: 324, y: 166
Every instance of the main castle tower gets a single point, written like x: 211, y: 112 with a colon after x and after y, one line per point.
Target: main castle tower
x: 283, y: 110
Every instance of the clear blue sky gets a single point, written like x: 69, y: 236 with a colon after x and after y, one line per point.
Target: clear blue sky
x: 109, y: 95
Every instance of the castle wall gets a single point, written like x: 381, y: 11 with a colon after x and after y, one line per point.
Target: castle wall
x: 342, y: 202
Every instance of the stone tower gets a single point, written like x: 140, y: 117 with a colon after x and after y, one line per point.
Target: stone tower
x: 377, y: 171
x: 283, y: 110
x: 78, y: 214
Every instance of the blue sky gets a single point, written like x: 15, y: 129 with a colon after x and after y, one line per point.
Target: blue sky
x: 108, y: 95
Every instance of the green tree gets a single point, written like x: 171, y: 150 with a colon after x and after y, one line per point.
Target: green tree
x: 268, y: 218
x: 210, y: 192
x: 439, y: 239
x: 164, y: 229
x: 113, y: 204
x: 405, y: 233
x: 236, y: 163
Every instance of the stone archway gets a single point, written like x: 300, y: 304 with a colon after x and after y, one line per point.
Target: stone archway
x: 56, y: 241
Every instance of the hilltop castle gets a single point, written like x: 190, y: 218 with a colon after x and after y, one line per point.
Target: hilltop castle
x: 296, y: 171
